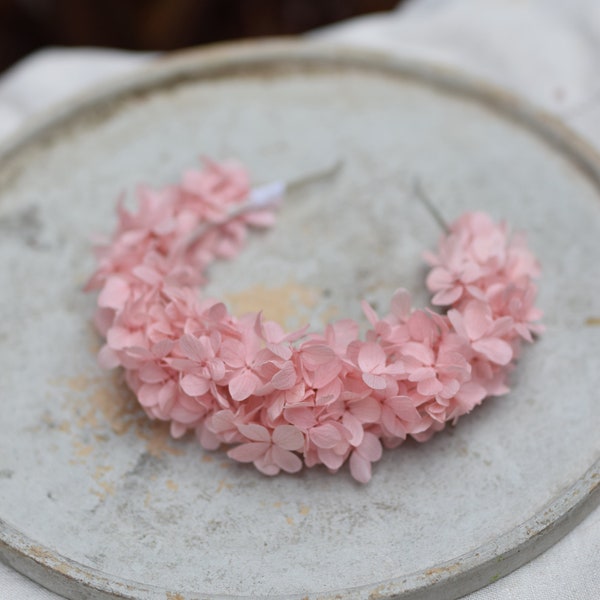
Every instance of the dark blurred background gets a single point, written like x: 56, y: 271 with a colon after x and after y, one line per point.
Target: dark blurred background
x: 26, y: 25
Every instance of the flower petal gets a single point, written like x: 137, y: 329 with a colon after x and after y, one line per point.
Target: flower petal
x: 448, y: 296
x: 325, y: 436
x: 114, y: 294
x: 477, y: 319
x: 495, y: 349
x: 332, y: 460
x: 152, y: 373
x: 108, y: 358
x: 243, y: 385
x: 193, y: 348
x: 300, y: 416
x: 366, y: 410
x: 401, y: 304
x: 422, y: 373
x: 162, y: 348
x: 326, y: 373
x: 248, y: 452
x: 404, y: 408
x: 233, y: 353
x: 147, y: 395
x: 456, y: 319
x: 288, y: 437
x: 423, y: 353
x: 439, y: 278
x: 429, y: 387
x: 193, y: 385
x: 315, y: 355
x: 208, y: 440
x: 370, y: 357
x: 375, y: 382
x: 255, y: 432
x: 285, y: 378
x: 470, y: 394
x: 286, y: 460
x: 177, y: 430
x: 329, y: 393
x: 360, y: 468
x: 370, y: 447
x: 354, y: 426
x: 370, y: 313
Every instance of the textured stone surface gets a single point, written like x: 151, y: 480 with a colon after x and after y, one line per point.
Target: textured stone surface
x: 92, y: 495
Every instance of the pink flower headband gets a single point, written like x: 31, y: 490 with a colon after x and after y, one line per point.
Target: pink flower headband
x: 287, y: 399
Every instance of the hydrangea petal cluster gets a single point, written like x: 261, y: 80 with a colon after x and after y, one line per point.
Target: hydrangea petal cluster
x: 281, y: 400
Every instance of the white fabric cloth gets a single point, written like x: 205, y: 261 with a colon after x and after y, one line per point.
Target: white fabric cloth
x: 544, y: 50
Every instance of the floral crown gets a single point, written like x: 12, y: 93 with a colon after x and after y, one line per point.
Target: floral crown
x: 283, y: 400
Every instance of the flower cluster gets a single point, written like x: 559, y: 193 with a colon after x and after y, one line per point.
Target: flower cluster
x: 283, y: 400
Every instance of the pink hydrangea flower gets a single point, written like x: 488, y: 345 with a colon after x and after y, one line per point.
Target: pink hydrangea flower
x: 270, y: 452
x: 476, y: 324
x: 284, y: 400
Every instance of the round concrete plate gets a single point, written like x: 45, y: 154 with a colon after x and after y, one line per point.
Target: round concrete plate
x: 97, y: 502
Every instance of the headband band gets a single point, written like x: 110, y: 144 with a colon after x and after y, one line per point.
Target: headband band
x: 286, y: 400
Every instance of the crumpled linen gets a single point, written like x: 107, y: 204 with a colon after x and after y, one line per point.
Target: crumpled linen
x: 545, y: 50
x: 44, y: 78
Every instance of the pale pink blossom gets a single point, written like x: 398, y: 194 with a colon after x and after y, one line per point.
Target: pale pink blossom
x: 270, y: 451
x: 373, y: 366
x: 476, y: 324
x: 361, y: 458
x: 288, y: 399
